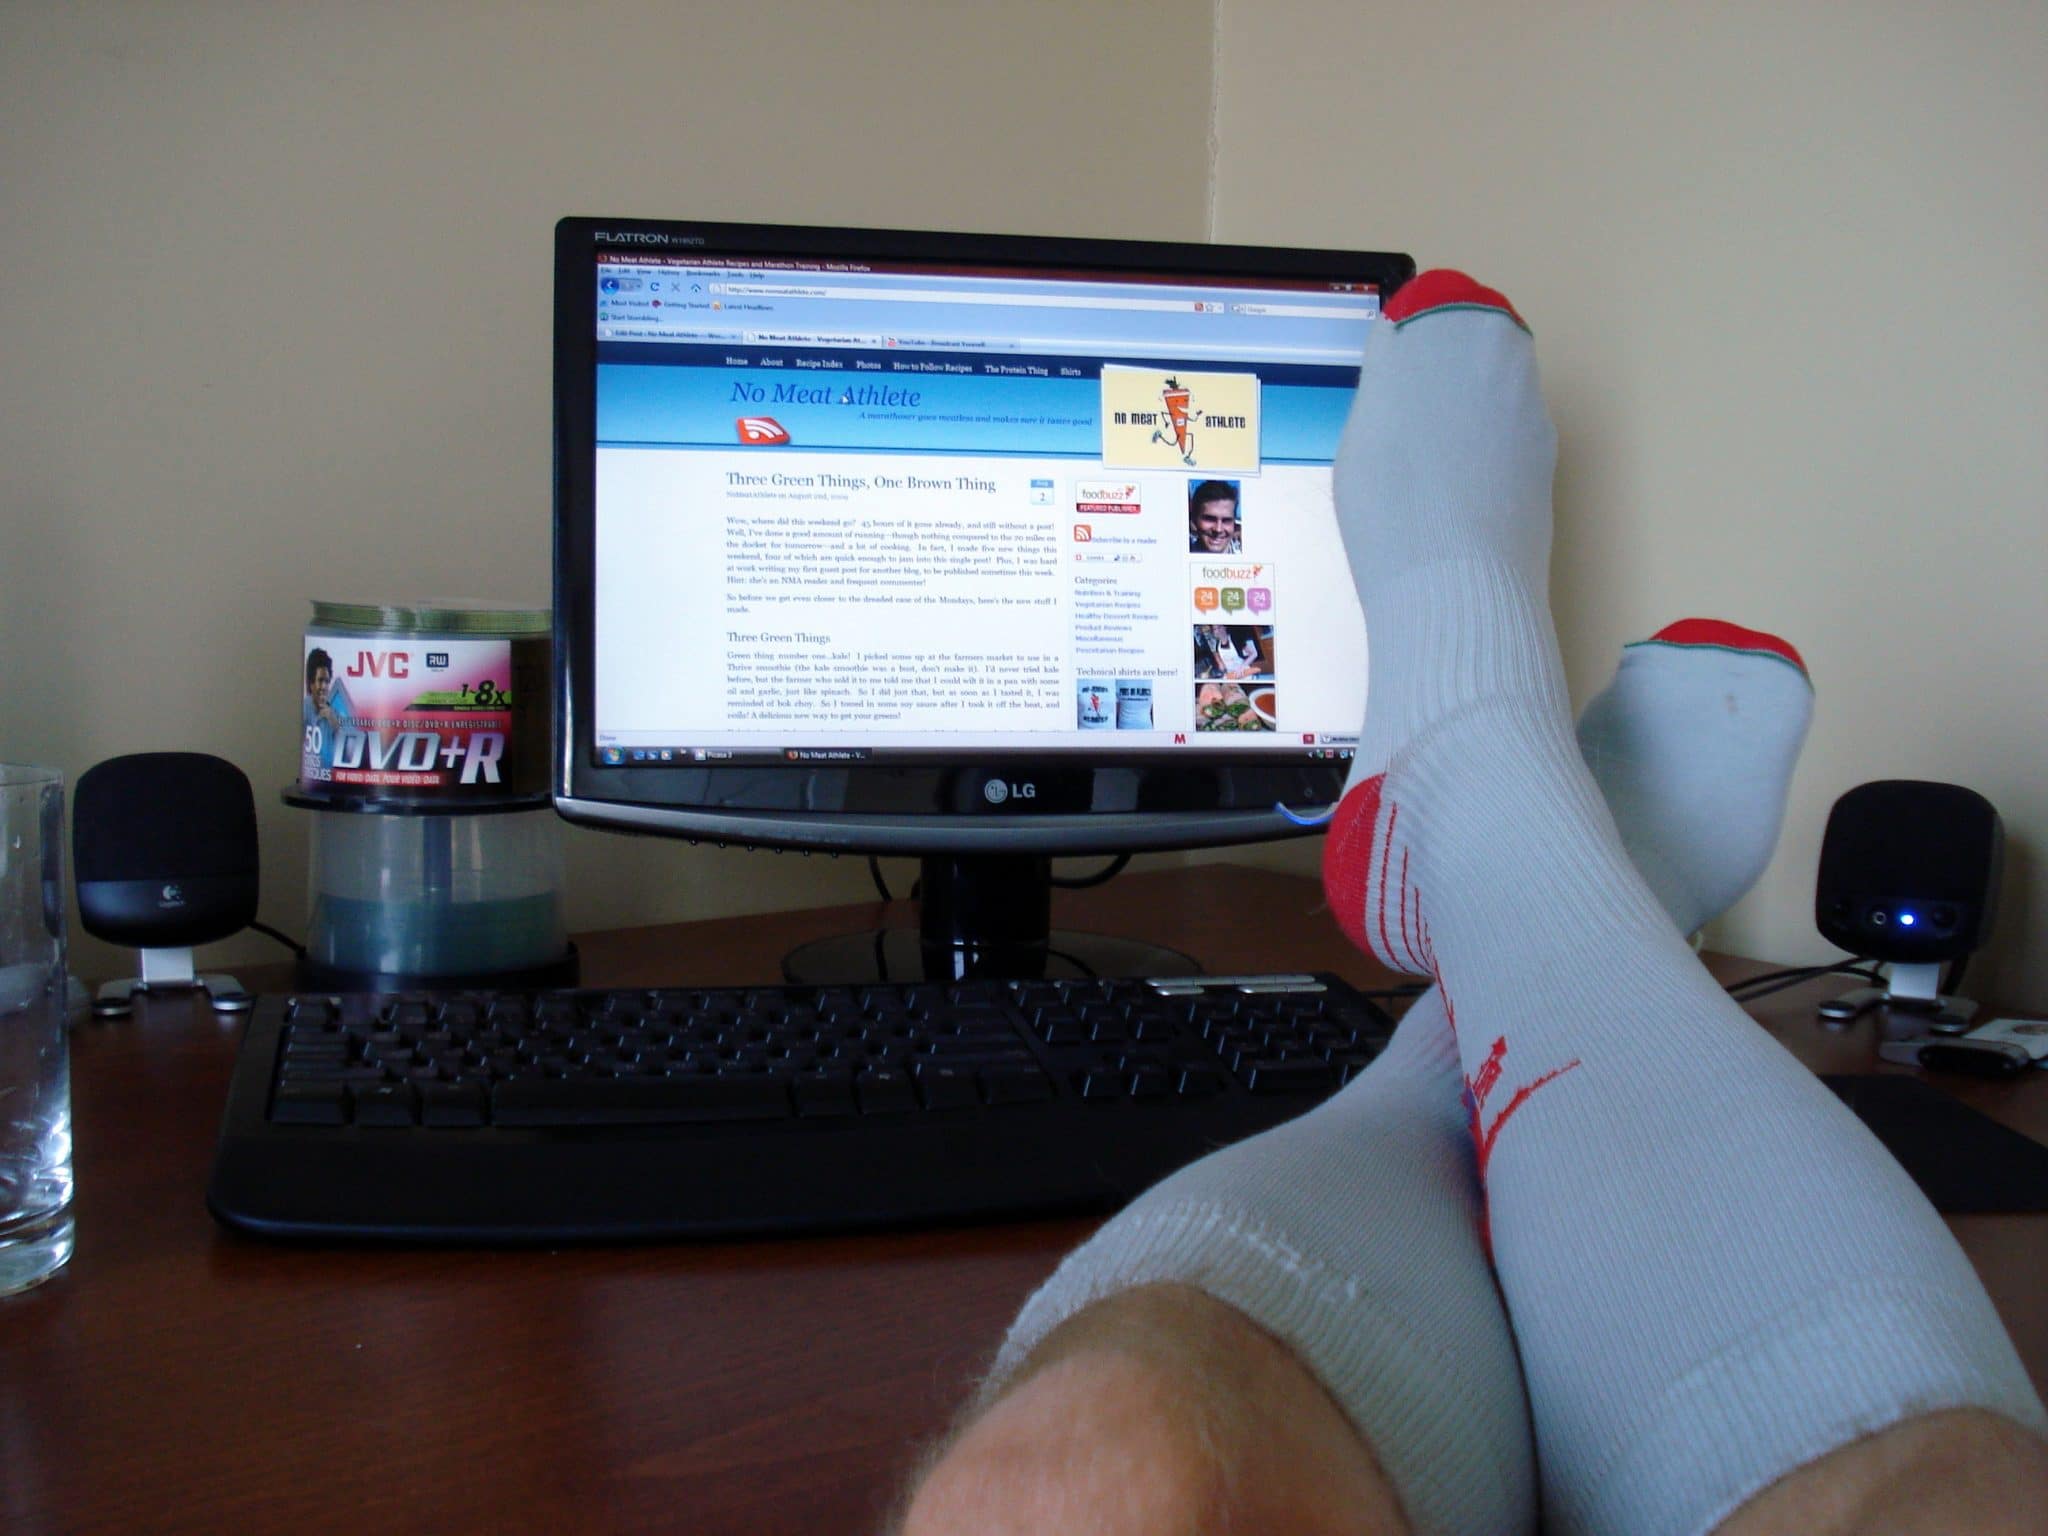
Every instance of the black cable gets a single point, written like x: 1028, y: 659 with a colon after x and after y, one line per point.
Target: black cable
x: 286, y: 940
x: 1954, y: 978
x: 1751, y: 988
x: 1101, y: 876
x: 1799, y: 971
x: 875, y: 874
x: 1770, y: 982
x: 1087, y: 971
x: 1762, y: 992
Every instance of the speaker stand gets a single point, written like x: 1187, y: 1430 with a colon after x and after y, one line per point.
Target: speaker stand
x: 168, y: 970
x: 1911, y: 990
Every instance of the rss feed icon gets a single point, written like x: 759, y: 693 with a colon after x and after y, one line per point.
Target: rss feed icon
x: 1154, y: 419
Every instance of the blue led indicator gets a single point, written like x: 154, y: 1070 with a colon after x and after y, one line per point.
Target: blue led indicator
x: 1906, y: 919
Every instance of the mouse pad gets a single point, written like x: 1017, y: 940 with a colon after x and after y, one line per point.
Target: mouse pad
x: 1967, y: 1164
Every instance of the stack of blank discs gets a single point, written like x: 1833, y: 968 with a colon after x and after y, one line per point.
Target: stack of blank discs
x: 423, y: 754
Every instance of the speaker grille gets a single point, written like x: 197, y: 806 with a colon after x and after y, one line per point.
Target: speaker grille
x: 159, y: 815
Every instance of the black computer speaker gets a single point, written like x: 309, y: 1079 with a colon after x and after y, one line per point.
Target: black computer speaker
x: 163, y: 846
x: 1909, y: 871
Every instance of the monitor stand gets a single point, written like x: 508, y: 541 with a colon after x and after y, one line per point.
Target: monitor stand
x: 980, y: 916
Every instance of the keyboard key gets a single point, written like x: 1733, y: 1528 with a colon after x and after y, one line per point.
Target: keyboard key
x: 310, y: 1104
x: 977, y: 1053
x: 884, y: 1091
x: 1151, y: 1083
x: 1016, y: 1084
x: 385, y: 1104
x: 640, y: 1101
x: 1299, y: 1076
x: 823, y: 1093
x: 943, y: 1087
x: 451, y: 1104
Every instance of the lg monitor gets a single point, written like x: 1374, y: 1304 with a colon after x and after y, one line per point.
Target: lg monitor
x: 978, y: 548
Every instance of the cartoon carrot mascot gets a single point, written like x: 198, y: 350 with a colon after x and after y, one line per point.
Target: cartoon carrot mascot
x: 1180, y: 418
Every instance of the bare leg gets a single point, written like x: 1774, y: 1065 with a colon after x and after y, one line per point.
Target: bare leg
x: 1161, y: 1411
x: 1943, y: 1473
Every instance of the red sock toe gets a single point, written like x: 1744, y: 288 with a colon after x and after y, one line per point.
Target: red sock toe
x: 1728, y: 637
x: 1441, y: 288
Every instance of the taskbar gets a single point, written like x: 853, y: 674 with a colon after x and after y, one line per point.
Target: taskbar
x: 1311, y: 748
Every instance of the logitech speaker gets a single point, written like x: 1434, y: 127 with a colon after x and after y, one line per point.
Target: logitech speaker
x: 1909, y: 872
x: 163, y: 846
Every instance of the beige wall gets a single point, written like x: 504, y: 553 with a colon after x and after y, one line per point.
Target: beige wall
x: 275, y: 313
x: 274, y: 322
x: 1785, y: 264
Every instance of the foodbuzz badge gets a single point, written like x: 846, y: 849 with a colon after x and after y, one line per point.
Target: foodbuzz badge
x: 1179, y: 420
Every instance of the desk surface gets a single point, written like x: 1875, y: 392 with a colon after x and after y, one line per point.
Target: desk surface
x: 179, y: 1378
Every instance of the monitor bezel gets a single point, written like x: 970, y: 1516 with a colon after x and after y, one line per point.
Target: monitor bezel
x: 1112, y: 802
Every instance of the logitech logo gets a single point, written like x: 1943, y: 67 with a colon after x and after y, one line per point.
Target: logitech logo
x: 173, y: 896
x: 996, y: 791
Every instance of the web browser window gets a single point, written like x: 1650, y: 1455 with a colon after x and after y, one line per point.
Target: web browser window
x: 854, y: 511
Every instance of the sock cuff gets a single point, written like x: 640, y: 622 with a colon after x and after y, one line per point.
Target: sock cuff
x: 1867, y: 1356
x: 1441, y: 288
x: 1363, y: 1351
x: 1720, y: 635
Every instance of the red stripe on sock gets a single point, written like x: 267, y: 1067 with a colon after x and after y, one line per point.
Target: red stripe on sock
x: 1522, y: 1096
x: 1732, y: 637
x: 1347, y: 858
x: 1386, y: 949
x: 1407, y: 945
x: 1443, y: 288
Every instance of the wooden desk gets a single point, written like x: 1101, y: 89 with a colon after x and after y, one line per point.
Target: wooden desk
x: 179, y: 1378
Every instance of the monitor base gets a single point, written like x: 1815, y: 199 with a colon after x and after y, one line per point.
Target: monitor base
x: 901, y: 955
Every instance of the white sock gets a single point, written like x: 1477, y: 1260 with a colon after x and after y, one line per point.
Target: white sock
x: 1692, y: 746
x: 1714, y: 1272
x: 1353, y: 1232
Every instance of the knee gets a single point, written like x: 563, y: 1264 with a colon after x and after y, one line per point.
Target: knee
x: 1961, y: 1470
x: 1091, y: 1443
x: 1158, y: 1411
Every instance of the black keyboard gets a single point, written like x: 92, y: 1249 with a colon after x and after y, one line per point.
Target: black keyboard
x: 504, y: 1117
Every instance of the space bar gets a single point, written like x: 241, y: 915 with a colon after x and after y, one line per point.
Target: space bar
x: 636, y: 1101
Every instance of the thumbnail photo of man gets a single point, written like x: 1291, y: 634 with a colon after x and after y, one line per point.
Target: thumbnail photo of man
x: 1213, y: 527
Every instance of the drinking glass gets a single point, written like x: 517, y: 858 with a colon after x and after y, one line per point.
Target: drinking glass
x: 35, y: 1061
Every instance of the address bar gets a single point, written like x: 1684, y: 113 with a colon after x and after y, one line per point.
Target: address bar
x: 953, y: 296
x: 1306, y: 311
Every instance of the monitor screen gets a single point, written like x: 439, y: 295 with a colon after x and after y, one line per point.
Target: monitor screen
x: 912, y: 542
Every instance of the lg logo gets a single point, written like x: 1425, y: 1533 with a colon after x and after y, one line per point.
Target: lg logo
x: 996, y: 791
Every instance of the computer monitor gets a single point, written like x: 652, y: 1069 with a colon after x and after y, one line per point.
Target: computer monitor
x: 984, y: 549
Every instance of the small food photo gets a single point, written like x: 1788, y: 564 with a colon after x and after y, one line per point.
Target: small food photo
x: 1226, y: 707
x: 1234, y: 652
x: 1265, y: 704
